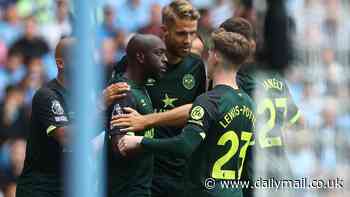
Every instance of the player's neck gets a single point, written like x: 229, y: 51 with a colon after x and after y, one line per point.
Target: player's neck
x: 60, y: 80
x: 250, y: 60
x: 173, y: 59
x: 134, y: 74
x: 225, y: 77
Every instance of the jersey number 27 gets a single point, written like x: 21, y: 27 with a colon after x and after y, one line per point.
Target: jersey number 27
x: 218, y: 172
x: 271, y: 105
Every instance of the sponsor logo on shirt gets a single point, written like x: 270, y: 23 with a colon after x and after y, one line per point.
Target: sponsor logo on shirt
x: 61, y: 119
x: 56, y: 108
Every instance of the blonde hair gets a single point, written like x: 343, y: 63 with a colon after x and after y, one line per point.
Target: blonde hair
x: 179, y: 9
x: 233, y: 46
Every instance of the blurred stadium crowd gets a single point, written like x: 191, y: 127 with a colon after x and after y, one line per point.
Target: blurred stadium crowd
x: 318, y: 76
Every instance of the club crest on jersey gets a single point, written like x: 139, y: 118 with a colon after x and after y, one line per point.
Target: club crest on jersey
x: 56, y: 108
x: 197, y: 113
x: 188, y: 81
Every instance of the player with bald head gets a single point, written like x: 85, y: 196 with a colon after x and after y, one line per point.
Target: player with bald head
x: 138, y: 43
x: 145, y: 57
x: 219, y: 130
x: 63, y: 52
x: 172, y: 94
x: 132, y: 176
x: 42, y: 172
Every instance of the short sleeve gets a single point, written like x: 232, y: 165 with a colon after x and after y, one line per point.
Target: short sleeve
x: 49, y: 111
x: 201, y: 116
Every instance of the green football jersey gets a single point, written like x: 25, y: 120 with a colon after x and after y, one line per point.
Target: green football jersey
x: 276, y: 107
x: 275, y: 111
x: 43, y: 168
x: 215, y: 141
x: 225, y: 118
x: 246, y: 79
x: 180, y: 85
x: 130, y: 176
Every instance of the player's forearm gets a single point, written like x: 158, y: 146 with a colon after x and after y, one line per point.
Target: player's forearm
x: 61, y: 135
x: 181, y: 146
x: 175, y: 117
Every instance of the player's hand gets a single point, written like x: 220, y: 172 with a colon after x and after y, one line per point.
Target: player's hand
x: 115, y: 92
x: 129, y: 144
x: 114, y: 141
x: 131, y: 121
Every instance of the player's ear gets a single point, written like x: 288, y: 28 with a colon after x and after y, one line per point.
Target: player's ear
x: 217, y: 57
x: 165, y: 30
x: 252, y: 47
x: 59, y: 63
x: 140, y: 57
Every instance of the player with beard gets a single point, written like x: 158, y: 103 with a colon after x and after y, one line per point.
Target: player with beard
x: 220, y: 128
x: 171, y: 95
x: 132, y: 176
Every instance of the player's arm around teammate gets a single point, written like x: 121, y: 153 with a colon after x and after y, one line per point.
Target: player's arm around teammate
x: 202, y: 113
x: 206, y: 129
x: 132, y: 176
x: 133, y: 121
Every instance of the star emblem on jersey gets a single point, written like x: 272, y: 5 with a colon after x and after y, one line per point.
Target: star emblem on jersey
x: 56, y: 108
x: 197, y: 113
x: 169, y: 101
x: 188, y: 81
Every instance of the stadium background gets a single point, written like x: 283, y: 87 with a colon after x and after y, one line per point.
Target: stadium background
x: 318, y: 73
